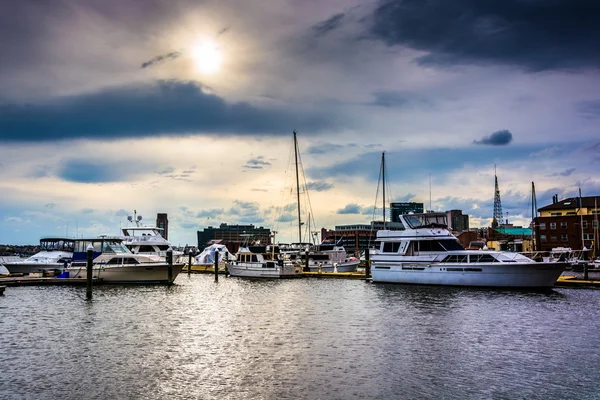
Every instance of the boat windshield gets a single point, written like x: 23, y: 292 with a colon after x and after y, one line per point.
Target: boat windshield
x: 109, y: 246
x: 429, y: 220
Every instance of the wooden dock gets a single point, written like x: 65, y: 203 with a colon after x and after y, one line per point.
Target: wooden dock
x: 31, y: 281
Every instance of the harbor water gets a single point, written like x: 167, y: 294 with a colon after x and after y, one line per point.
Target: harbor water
x: 298, y: 339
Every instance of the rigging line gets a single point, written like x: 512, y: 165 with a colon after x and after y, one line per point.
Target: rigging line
x: 374, y: 208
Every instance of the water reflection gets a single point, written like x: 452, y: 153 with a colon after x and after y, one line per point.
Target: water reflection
x: 297, y: 339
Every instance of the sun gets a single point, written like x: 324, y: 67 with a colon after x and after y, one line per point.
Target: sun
x: 208, y: 57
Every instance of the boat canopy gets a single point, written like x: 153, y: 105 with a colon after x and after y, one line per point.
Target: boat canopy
x: 426, y: 220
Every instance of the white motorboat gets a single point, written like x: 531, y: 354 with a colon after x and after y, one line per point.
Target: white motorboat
x: 115, y: 263
x: 54, y: 254
x: 425, y: 252
x: 327, y: 257
x: 262, y: 261
x: 147, y: 240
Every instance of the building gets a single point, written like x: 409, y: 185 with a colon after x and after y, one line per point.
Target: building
x: 233, y: 235
x: 566, y: 223
x: 357, y: 237
x: 457, y: 221
x: 163, y: 222
x: 404, y: 208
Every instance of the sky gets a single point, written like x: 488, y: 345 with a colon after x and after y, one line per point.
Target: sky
x: 188, y: 107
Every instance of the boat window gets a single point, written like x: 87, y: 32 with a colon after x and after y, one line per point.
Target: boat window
x: 163, y: 247
x: 430, y: 245
x: 391, y: 247
x: 146, y: 249
x: 455, y: 258
x: 320, y: 257
x: 451, y: 245
x: 481, y: 258
x: 254, y: 258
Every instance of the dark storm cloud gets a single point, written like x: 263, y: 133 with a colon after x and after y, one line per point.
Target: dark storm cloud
x: 534, y: 35
x: 159, y: 59
x: 566, y: 172
x: 96, y: 171
x: 499, y: 138
x: 328, y: 25
x: 163, y: 108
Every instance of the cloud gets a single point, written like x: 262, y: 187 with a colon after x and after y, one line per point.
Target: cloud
x: 566, y: 172
x: 256, y: 163
x: 210, y: 213
x: 319, y: 186
x: 87, y: 211
x: 167, y: 170
x: 328, y: 25
x: 158, y: 109
x: 98, y: 171
x: 323, y: 148
x: 402, y: 199
x: 499, y: 138
x: 391, y: 99
x: 350, y: 209
x: 532, y: 35
x: 50, y: 205
x: 589, y: 109
x: 162, y: 58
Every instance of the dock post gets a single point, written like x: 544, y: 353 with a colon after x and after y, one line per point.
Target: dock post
x: 585, y: 272
x: 170, y: 266
x: 367, y: 264
x: 216, y: 265
x: 190, y: 254
x: 90, y: 264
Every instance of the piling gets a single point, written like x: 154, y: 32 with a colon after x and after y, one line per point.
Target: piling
x: 190, y: 254
x: 216, y: 265
x: 585, y: 272
x: 367, y: 264
x: 169, y: 266
x: 90, y: 264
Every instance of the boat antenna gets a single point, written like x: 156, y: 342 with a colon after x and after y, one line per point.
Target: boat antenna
x: 297, y: 188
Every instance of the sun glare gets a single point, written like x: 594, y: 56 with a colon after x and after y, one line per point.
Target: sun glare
x: 207, y: 57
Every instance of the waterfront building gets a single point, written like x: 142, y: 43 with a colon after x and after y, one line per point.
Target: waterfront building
x: 571, y: 222
x: 357, y: 237
x: 397, y: 209
x: 233, y: 235
x: 457, y: 221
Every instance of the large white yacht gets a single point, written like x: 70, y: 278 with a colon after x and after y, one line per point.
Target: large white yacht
x: 260, y: 261
x: 54, y: 254
x: 114, y: 263
x: 425, y: 252
x: 146, y: 240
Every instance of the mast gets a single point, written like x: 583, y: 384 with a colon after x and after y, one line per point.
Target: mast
x: 533, y: 215
x: 595, y: 227
x: 581, y: 214
x: 383, y: 181
x: 297, y: 188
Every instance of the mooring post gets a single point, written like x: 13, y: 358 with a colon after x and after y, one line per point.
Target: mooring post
x: 90, y: 264
x: 169, y: 266
x: 585, y: 272
x: 367, y: 264
x: 190, y: 254
x: 216, y: 265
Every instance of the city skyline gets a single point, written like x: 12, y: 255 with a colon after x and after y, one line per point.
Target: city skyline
x: 187, y: 108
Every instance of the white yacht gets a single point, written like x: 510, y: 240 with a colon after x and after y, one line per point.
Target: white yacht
x: 262, y: 261
x: 146, y: 240
x: 54, y: 254
x: 425, y: 252
x: 114, y: 263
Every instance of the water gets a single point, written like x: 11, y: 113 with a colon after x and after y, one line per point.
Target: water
x: 299, y: 339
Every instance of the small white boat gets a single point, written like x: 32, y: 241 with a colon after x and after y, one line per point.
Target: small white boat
x: 329, y: 257
x: 54, y: 254
x: 207, y: 257
x: 114, y: 263
x: 262, y: 261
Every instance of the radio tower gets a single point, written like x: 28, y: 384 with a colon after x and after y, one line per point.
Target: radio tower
x: 498, y: 218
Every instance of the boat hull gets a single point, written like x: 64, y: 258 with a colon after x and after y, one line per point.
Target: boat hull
x: 247, y: 270
x: 27, y: 268
x: 508, y: 275
x: 140, y: 273
x: 342, y: 267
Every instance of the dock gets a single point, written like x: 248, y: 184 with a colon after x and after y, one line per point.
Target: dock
x: 32, y: 281
x: 573, y: 281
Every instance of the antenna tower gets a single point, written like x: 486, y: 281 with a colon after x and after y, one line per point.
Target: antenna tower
x: 498, y: 217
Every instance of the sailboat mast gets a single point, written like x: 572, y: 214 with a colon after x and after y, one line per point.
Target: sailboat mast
x: 533, y: 215
x: 581, y: 213
x: 595, y: 228
x: 297, y: 188
x: 383, y: 181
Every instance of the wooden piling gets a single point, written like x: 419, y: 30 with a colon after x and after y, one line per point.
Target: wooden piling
x: 90, y: 265
x: 170, y: 266
x: 190, y: 254
x: 367, y: 264
x: 216, y: 265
